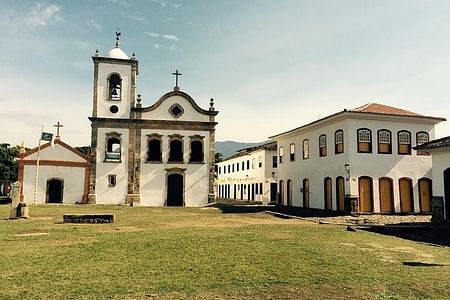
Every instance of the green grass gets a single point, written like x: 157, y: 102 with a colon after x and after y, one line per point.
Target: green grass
x: 202, y: 253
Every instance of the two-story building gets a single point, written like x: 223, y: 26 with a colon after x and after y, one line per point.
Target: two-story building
x: 249, y: 174
x: 360, y: 160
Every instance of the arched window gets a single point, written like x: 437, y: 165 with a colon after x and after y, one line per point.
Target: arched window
x: 197, y: 150
x: 338, y: 142
x: 364, y: 140
x: 323, y: 145
x: 115, y: 87
x: 384, y: 141
x: 154, y: 153
x: 281, y: 153
x: 113, y: 148
x: 422, y: 138
x: 404, y: 142
x: 292, y: 152
x: 176, y: 149
x: 305, y: 149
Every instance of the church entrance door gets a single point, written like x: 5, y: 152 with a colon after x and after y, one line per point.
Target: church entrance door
x: 175, y: 189
x: 55, y: 190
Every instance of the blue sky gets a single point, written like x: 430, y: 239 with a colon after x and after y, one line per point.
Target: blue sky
x: 270, y: 65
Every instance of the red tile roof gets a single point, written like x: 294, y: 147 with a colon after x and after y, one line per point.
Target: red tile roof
x: 376, y: 108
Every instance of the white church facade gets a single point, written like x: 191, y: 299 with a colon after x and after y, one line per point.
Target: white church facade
x: 159, y: 155
x: 249, y: 174
x: 358, y: 160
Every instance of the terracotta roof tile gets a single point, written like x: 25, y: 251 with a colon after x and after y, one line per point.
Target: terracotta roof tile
x: 439, y: 143
x: 377, y: 108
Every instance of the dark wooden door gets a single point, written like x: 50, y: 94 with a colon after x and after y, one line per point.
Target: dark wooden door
x: 175, y: 191
x: 365, y: 194
x: 425, y: 194
x: 340, y: 193
x: 386, y: 195
x: 406, y: 195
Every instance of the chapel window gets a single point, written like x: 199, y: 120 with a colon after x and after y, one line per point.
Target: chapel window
x: 338, y: 142
x: 305, y: 149
x: 384, y: 141
x: 292, y: 152
x: 113, y: 149
x: 323, y: 145
x: 422, y: 138
x: 115, y: 87
x: 260, y: 162
x: 404, y: 142
x: 274, y: 162
x: 281, y: 153
x: 197, y: 154
x: 176, y: 149
x: 364, y: 140
x: 154, y: 153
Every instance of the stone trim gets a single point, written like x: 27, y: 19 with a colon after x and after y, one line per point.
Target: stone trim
x: 152, y: 124
x: 181, y: 94
x: 117, y: 61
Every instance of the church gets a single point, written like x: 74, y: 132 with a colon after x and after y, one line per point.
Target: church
x: 157, y: 155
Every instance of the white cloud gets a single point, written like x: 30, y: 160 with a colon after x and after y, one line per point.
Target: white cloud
x: 164, y: 3
x: 151, y: 34
x: 42, y: 15
x: 121, y: 2
x: 170, y: 37
x: 94, y: 24
x: 157, y: 46
x: 139, y: 19
x: 173, y: 47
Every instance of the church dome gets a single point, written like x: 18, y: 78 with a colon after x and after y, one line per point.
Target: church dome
x: 117, y: 53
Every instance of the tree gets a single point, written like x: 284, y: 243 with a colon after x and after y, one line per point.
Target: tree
x: 8, y: 162
x: 218, y: 157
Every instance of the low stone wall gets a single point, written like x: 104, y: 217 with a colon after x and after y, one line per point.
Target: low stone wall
x: 91, y: 218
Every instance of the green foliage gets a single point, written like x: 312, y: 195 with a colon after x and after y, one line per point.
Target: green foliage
x: 8, y: 162
x: 202, y: 253
x: 218, y: 157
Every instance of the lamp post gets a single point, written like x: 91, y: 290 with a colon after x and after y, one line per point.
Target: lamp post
x: 347, y: 171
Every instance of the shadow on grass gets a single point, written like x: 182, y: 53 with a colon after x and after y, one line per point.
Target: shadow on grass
x: 421, y: 264
x: 284, y: 212
x: 418, y: 232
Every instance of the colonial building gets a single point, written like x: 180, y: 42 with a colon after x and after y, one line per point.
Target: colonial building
x: 440, y: 151
x: 162, y: 154
x: 360, y: 160
x: 249, y: 174
x: 63, y: 174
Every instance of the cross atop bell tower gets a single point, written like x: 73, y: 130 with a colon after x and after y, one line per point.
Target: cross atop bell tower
x: 118, y: 33
x: 176, y: 74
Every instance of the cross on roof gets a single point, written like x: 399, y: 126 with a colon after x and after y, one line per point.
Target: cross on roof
x: 176, y: 78
x: 58, y: 125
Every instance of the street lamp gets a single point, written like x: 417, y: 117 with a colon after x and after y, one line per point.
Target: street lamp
x: 347, y: 169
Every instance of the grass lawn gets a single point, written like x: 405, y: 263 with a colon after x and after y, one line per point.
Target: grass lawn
x: 204, y: 253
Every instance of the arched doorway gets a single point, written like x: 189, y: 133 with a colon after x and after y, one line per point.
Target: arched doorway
x: 386, y: 190
x: 365, y: 194
x: 425, y: 194
x: 406, y: 195
x: 55, y: 190
x: 289, y: 192
x: 340, y: 193
x: 447, y: 193
x: 175, y: 190
x: 328, y: 197
x: 305, y: 192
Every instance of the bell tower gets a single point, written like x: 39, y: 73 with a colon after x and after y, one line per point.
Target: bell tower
x: 114, y: 83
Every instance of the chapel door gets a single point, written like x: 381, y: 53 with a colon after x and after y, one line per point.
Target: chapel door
x: 55, y: 190
x: 447, y: 193
x: 425, y: 194
x: 289, y: 192
x: 175, y: 190
x: 406, y: 195
x: 365, y: 194
x: 386, y: 195
x: 328, y: 193
x: 340, y: 193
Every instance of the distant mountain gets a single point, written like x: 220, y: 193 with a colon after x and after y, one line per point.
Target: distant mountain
x: 229, y: 148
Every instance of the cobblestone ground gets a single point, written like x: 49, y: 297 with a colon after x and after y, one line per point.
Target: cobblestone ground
x: 375, y: 219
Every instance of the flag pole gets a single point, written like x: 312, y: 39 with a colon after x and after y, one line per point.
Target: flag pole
x: 36, y: 176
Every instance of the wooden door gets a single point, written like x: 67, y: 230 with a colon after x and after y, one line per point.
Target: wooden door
x: 425, y: 194
x: 406, y: 195
x: 386, y: 195
x: 328, y: 193
x: 340, y: 193
x: 305, y: 193
x: 281, y: 200
x: 365, y: 194
x: 289, y: 192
